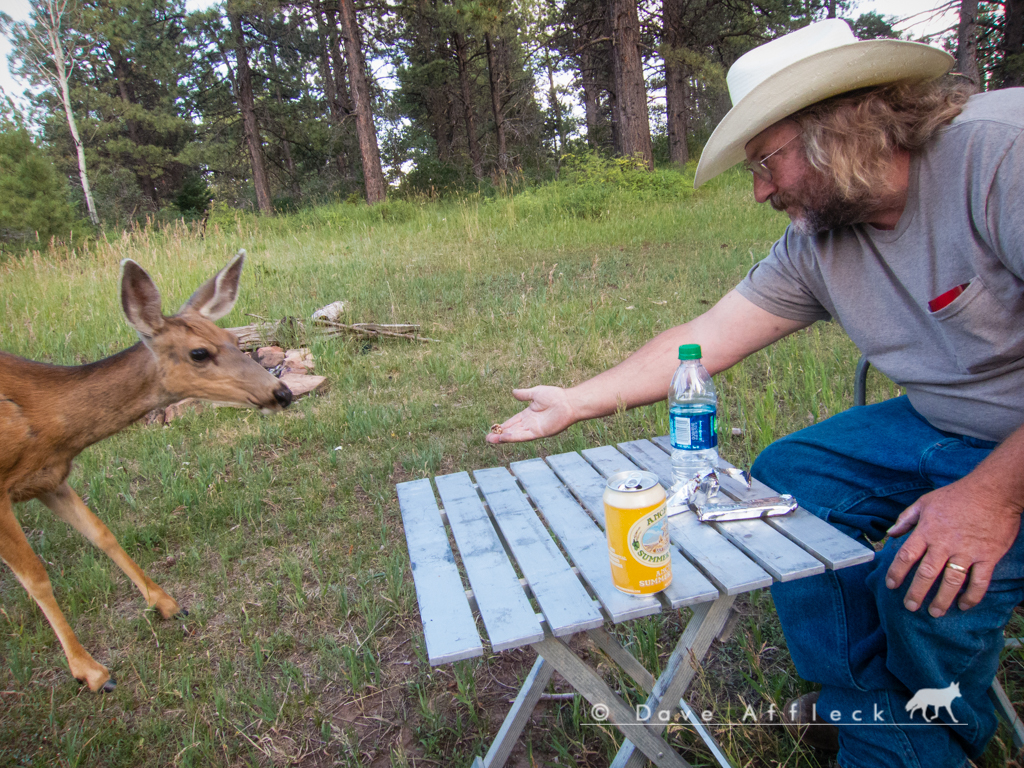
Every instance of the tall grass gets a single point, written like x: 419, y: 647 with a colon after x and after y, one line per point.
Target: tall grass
x: 282, y: 535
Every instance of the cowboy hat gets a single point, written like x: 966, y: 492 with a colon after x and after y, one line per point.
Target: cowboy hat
x: 802, y: 68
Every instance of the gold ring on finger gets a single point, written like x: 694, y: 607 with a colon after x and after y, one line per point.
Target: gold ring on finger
x: 957, y: 568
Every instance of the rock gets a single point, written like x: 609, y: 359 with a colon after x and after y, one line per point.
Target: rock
x: 298, y: 361
x: 302, y: 385
x: 270, y: 357
x: 331, y: 313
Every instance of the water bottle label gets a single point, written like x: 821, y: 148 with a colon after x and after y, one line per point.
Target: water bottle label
x: 695, y: 432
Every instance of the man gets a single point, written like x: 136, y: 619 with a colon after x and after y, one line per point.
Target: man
x: 906, y: 202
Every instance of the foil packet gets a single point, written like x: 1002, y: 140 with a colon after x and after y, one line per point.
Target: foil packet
x: 701, y: 495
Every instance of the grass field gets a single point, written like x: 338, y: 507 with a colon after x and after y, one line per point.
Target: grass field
x: 282, y: 534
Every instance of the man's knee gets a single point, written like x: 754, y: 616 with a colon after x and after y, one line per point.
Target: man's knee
x: 770, y: 464
x: 962, y: 645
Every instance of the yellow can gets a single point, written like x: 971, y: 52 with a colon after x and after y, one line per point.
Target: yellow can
x: 637, y: 528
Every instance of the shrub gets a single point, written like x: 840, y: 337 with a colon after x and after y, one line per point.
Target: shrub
x: 627, y: 174
x: 33, y: 196
x: 195, y: 196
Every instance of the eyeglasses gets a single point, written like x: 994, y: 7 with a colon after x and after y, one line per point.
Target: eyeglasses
x: 759, y: 169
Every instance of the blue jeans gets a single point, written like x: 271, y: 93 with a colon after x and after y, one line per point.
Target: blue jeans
x: 851, y: 634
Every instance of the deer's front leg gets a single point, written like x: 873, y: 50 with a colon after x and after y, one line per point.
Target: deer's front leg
x: 16, y: 552
x: 70, y: 508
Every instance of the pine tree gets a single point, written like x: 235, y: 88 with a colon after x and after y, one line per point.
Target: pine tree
x: 33, y: 196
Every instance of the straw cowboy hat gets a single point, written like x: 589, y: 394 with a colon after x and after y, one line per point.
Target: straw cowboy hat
x: 804, y: 67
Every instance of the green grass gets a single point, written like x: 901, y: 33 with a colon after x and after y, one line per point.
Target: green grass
x: 282, y: 535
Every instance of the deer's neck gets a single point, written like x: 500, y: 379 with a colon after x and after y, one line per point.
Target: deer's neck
x: 99, y: 399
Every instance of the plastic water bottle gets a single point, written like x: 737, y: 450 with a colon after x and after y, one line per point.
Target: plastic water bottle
x: 693, y: 417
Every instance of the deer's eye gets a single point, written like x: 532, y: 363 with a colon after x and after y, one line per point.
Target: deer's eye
x: 199, y: 355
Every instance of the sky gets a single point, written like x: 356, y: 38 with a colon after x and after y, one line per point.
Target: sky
x: 916, y: 12
x: 18, y: 9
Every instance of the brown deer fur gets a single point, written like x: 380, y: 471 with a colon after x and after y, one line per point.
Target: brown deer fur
x: 49, y: 414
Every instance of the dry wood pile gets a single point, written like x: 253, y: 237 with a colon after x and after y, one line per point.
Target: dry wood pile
x: 325, y: 323
x: 277, y: 346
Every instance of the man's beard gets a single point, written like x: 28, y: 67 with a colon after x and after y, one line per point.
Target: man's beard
x: 821, y: 208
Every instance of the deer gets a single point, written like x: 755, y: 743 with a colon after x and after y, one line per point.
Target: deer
x: 49, y: 414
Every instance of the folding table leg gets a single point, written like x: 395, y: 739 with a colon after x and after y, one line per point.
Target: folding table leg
x: 705, y: 734
x: 515, y: 720
x: 706, y: 623
x: 590, y: 685
x: 626, y: 660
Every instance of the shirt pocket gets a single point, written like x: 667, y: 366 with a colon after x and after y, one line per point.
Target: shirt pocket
x: 979, y: 331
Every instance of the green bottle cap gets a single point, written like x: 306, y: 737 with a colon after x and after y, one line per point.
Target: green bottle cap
x: 689, y: 352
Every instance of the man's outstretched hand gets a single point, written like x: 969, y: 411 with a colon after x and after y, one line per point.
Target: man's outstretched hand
x: 964, y: 523
x: 548, y: 414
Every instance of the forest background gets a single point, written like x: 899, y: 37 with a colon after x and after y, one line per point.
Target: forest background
x: 141, y: 110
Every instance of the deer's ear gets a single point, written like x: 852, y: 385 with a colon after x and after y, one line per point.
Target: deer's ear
x: 215, y: 298
x: 140, y: 300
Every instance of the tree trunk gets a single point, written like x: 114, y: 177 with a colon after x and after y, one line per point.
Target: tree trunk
x: 631, y: 94
x: 1012, y: 65
x: 591, y: 103
x: 475, y: 156
x: 373, y: 175
x: 338, y: 61
x: 79, y: 149
x: 52, y: 25
x: 328, y: 51
x: 286, y: 151
x: 967, y: 42
x: 127, y: 96
x: 493, y: 67
x: 556, y: 110
x: 247, y: 106
x: 677, y: 96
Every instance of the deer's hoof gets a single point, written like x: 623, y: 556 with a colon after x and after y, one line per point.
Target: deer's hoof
x: 97, y: 687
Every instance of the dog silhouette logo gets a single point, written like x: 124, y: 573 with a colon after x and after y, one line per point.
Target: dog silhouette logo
x: 934, y: 697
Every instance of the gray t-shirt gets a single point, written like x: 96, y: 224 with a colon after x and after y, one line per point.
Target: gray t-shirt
x: 962, y: 365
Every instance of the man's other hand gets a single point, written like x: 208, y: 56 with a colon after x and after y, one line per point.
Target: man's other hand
x: 964, y: 524
x: 548, y: 414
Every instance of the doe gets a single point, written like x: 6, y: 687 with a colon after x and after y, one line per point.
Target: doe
x: 49, y: 414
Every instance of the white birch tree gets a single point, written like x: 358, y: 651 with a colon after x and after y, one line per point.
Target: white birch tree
x: 45, y: 50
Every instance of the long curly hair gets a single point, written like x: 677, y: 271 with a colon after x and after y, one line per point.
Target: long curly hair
x: 851, y: 138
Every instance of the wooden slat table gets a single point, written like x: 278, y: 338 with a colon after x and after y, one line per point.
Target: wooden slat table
x: 536, y: 533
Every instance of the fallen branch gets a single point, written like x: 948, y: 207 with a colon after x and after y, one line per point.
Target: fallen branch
x: 369, y: 330
x: 293, y: 332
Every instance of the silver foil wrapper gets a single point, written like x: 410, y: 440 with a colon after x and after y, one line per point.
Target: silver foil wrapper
x: 701, y: 494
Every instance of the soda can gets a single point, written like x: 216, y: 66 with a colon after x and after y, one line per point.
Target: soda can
x: 637, y: 528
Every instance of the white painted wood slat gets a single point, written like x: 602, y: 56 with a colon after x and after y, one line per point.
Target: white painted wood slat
x: 832, y: 547
x: 608, y: 460
x: 777, y: 554
x: 783, y: 559
x: 506, y: 612
x: 583, y: 480
x: 448, y: 626
x: 729, y: 569
x: 689, y: 586
x: 582, y: 539
x: 647, y: 455
x: 562, y: 598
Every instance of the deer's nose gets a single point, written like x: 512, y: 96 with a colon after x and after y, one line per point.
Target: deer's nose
x: 283, y: 395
